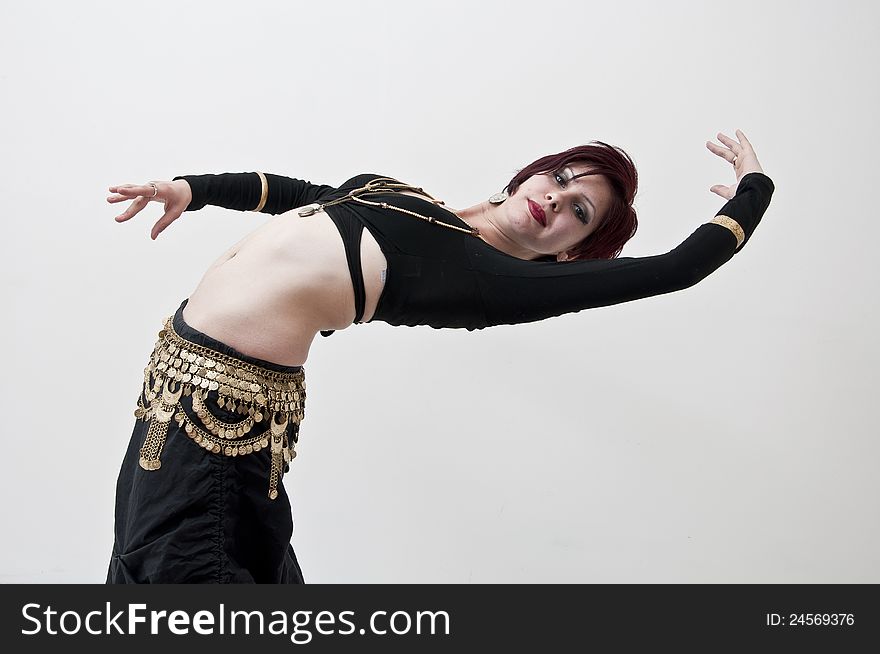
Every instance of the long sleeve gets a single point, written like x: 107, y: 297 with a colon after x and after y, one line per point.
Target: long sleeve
x: 516, y: 292
x: 241, y: 192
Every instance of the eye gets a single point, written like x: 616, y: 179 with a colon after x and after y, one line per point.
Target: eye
x: 578, y: 210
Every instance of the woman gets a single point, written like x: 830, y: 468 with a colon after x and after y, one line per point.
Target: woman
x: 199, y: 497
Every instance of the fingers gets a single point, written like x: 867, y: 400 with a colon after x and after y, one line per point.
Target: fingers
x: 129, y: 191
x: 743, y: 140
x: 724, y: 153
x: 162, y: 223
x: 723, y: 191
x: 132, y: 210
x: 730, y: 143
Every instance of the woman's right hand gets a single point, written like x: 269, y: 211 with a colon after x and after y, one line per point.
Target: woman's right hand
x: 176, y: 195
x: 741, y: 155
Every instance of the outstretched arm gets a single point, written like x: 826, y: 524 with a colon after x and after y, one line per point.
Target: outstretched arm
x: 266, y: 193
x: 516, y: 292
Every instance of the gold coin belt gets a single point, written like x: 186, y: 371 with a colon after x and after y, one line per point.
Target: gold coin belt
x: 178, y: 367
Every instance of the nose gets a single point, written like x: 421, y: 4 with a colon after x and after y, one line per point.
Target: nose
x: 553, y: 200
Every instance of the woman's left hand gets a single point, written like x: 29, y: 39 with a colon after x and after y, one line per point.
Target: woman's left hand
x: 741, y: 155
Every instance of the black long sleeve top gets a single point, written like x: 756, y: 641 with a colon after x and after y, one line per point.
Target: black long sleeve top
x: 445, y: 278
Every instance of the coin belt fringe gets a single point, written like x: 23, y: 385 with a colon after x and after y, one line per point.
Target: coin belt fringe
x: 178, y: 367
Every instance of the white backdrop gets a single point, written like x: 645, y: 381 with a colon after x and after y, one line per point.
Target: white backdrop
x: 725, y: 433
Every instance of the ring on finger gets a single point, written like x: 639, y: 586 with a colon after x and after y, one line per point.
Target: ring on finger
x: 156, y: 188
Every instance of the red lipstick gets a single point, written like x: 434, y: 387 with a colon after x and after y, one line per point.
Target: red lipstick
x: 537, y: 213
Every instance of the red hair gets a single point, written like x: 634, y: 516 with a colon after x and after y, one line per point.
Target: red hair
x: 620, y: 222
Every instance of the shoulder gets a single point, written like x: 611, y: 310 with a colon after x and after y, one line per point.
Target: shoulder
x: 359, y: 180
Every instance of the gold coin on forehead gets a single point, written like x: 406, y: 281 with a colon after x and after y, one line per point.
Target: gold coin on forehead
x: 210, y: 363
x: 196, y: 380
x: 220, y: 367
x: 214, y: 386
x: 254, y: 388
x: 205, y: 383
x: 210, y: 374
x: 185, y: 379
x: 164, y: 356
x: 200, y: 360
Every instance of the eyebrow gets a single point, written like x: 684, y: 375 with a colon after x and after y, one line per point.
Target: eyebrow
x: 583, y: 195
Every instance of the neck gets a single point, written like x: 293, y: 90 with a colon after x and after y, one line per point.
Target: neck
x: 484, y: 216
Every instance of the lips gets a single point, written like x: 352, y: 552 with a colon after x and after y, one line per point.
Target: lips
x: 537, y: 213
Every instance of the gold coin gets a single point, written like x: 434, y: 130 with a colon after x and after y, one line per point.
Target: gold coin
x: 273, y: 494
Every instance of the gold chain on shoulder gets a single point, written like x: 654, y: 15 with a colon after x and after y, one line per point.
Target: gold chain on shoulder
x: 387, y: 185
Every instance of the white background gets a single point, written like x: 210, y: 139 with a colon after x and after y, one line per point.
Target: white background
x: 725, y: 433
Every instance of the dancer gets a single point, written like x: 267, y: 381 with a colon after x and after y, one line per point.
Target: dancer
x: 199, y: 496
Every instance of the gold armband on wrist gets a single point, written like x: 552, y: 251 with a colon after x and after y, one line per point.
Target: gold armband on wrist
x: 264, y: 194
x: 733, y: 226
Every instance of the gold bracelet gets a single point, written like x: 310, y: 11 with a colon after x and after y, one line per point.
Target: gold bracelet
x: 264, y: 195
x: 733, y: 226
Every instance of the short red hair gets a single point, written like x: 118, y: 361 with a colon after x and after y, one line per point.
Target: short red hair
x: 620, y: 222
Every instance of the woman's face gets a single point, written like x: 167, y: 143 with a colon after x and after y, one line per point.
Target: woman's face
x: 553, y: 212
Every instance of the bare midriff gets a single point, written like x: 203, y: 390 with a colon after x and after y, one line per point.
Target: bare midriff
x: 269, y: 294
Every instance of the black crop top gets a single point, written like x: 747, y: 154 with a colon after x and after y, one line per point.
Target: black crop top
x: 445, y: 278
